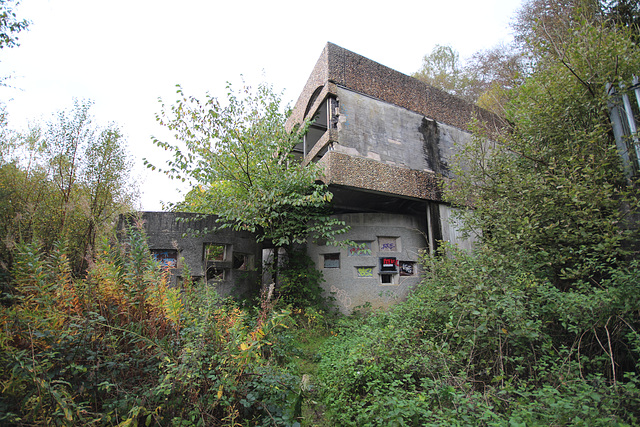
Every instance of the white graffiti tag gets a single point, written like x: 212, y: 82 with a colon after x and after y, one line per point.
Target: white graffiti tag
x: 342, y: 296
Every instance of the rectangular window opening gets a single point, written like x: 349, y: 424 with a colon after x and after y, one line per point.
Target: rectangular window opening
x: 408, y: 268
x: 214, y: 252
x: 166, y: 257
x: 242, y: 261
x: 331, y: 260
x: 214, y: 274
x: 386, y: 279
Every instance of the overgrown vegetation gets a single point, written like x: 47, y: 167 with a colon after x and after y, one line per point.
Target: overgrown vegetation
x: 483, y: 341
x: 540, y: 325
x: 122, y: 347
x: 62, y: 181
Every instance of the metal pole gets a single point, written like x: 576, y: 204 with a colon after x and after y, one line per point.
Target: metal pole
x: 618, y: 129
x: 632, y: 123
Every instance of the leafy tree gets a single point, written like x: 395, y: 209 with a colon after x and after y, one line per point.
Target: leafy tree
x: 66, y: 180
x: 442, y: 69
x: 552, y: 189
x: 625, y: 13
x: 237, y: 155
x: 483, y: 79
x: 10, y: 25
x: 495, y: 72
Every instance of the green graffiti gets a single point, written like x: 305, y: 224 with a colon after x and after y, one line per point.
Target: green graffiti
x: 365, y: 271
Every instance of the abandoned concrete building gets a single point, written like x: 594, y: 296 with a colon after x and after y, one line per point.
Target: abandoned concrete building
x: 230, y: 259
x: 385, y: 141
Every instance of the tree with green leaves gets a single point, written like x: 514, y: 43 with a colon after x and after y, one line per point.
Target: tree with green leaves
x: 63, y: 181
x: 442, y: 69
x: 237, y: 155
x: 552, y: 189
x: 10, y: 25
x: 484, y: 79
x: 539, y: 325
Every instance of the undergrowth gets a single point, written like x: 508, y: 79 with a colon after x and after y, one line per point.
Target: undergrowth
x: 483, y: 342
x: 121, y: 347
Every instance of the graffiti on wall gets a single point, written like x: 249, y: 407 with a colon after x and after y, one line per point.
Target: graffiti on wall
x: 388, y: 244
x: 342, y: 296
x: 362, y: 249
x: 407, y: 268
x: 364, y: 271
x: 166, y: 257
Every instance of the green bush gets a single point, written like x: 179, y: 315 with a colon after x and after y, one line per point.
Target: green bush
x: 481, y: 341
x: 122, y: 347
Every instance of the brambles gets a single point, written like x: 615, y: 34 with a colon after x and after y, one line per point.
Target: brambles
x: 122, y: 346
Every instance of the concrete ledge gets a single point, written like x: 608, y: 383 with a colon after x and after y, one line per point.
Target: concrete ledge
x: 358, y: 172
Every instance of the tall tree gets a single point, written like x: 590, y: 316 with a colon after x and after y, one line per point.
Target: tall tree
x: 442, y: 69
x: 10, y: 25
x: 551, y: 190
x: 238, y: 157
x: 483, y: 79
x: 65, y: 180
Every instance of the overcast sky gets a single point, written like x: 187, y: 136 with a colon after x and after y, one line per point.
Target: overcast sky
x: 124, y: 54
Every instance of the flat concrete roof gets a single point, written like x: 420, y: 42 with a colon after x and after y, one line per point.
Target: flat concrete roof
x: 347, y: 69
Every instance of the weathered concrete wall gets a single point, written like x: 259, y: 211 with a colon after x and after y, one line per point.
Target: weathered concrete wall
x: 355, y: 276
x: 451, y: 229
x: 359, y: 74
x: 169, y: 231
x: 368, y: 127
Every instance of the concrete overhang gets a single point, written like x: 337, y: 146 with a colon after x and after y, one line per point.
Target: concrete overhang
x: 366, y: 174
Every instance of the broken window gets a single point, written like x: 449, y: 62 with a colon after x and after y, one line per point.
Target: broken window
x: 331, y: 260
x: 166, y: 257
x: 214, y: 255
x: 242, y: 261
x: 408, y: 268
x: 214, y: 273
x: 214, y: 252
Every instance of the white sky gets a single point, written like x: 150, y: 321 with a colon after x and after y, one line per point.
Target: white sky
x: 124, y: 54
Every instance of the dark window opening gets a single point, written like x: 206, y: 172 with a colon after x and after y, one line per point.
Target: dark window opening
x: 241, y: 261
x: 214, y: 273
x: 386, y: 279
x: 166, y: 257
x: 326, y: 117
x: 331, y: 260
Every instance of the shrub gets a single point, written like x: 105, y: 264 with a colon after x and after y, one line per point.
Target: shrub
x: 122, y: 347
x: 481, y: 341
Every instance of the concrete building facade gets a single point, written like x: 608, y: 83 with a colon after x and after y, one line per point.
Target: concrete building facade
x: 386, y: 142
x: 227, y: 259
